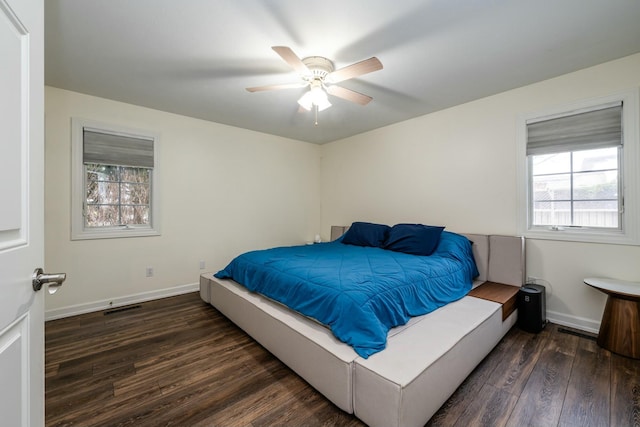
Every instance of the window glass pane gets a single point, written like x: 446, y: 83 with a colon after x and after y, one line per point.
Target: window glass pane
x: 596, y: 214
x: 92, y: 192
x: 595, y: 185
x: 591, y: 160
x: 101, y: 216
x: 140, y: 175
x: 103, y: 192
x: 551, y: 213
x: 138, y: 215
x: 552, y: 187
x: 551, y: 163
x: 135, y: 194
x: 102, y: 172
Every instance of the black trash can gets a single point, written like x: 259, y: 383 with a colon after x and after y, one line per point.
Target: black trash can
x: 532, y: 308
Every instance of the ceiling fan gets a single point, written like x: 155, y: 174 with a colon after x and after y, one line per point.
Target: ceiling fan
x: 319, y: 74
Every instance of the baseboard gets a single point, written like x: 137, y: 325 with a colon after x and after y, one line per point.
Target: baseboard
x: 575, y: 322
x: 74, y: 310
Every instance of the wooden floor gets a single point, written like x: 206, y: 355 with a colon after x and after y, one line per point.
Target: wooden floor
x: 178, y: 362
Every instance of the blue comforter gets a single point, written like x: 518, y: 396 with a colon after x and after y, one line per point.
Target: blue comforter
x: 358, y: 292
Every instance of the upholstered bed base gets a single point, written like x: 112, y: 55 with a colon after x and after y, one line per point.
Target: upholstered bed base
x: 424, y: 362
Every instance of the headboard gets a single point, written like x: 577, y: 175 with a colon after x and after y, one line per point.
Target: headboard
x: 337, y: 231
x: 499, y: 259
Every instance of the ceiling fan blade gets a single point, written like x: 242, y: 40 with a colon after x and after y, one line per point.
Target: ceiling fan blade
x: 277, y: 87
x: 292, y: 59
x: 349, y: 95
x: 355, y: 70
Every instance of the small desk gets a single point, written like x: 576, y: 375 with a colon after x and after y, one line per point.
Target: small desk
x: 620, y: 326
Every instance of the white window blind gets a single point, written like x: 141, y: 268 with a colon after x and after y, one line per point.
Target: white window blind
x: 111, y: 149
x: 589, y: 130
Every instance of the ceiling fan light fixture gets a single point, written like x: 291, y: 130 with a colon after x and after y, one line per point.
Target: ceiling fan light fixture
x: 305, y: 101
x: 316, y: 72
x: 315, y: 97
x: 324, y: 104
x: 319, y: 98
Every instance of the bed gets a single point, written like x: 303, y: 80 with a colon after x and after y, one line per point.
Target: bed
x: 421, y: 362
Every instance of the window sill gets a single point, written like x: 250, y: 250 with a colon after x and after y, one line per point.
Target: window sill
x: 115, y: 233
x: 581, y: 235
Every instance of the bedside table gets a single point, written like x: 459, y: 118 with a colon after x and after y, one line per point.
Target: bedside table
x: 500, y: 293
x: 620, y: 326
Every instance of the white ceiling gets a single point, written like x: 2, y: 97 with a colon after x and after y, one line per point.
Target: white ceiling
x: 196, y: 57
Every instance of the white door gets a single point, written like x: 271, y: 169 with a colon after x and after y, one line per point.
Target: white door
x: 21, y: 212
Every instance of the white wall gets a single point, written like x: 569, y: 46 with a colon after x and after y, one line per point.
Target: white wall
x: 457, y: 168
x: 224, y: 190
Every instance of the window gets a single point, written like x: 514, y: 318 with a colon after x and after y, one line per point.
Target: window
x: 114, y: 182
x: 579, y: 172
x: 574, y: 170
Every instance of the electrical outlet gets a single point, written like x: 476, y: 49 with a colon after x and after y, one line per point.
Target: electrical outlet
x: 149, y: 271
x: 202, y: 265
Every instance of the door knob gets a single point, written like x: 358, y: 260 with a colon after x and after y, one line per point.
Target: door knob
x: 54, y: 280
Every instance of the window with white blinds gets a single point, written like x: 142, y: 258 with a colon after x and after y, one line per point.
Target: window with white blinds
x: 115, y: 181
x: 575, y: 178
x: 578, y: 172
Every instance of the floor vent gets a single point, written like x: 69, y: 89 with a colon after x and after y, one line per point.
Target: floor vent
x: 121, y: 309
x: 576, y: 333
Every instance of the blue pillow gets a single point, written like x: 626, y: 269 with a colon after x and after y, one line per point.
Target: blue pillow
x: 414, y: 239
x: 366, y: 234
x: 457, y: 246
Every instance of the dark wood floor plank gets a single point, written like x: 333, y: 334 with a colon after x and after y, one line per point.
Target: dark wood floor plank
x: 588, y: 392
x: 300, y: 409
x: 85, y: 380
x: 274, y: 395
x: 625, y: 391
x: 492, y: 410
x: 179, y: 362
x: 61, y: 407
x: 101, y: 412
x: 542, y: 398
x: 515, y: 370
x: 200, y: 399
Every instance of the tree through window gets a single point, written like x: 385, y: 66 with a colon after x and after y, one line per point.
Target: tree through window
x: 117, y: 195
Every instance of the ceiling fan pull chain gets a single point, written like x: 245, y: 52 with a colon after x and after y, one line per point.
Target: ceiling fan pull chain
x: 316, y: 123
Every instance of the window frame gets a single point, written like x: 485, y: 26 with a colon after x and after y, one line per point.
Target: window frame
x: 78, y: 184
x: 629, y: 231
